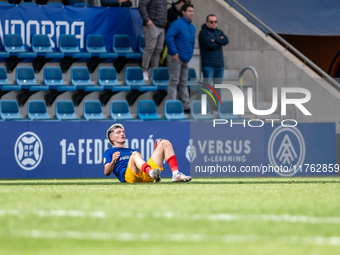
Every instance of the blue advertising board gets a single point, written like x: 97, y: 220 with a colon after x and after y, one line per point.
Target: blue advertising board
x: 54, y: 149
x: 54, y: 21
x: 271, y: 150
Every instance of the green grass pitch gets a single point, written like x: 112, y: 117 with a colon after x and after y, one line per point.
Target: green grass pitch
x: 205, y: 216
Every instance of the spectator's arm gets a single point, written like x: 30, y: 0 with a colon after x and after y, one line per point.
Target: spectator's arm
x: 222, y: 41
x: 207, y: 42
x: 143, y: 10
x: 170, y: 38
x: 193, y: 35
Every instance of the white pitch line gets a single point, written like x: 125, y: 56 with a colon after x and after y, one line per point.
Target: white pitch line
x: 55, y: 213
x: 233, y: 217
x: 197, y: 238
x: 183, y: 216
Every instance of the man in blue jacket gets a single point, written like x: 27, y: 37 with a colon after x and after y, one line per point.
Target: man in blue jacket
x: 180, y: 40
x: 211, y: 40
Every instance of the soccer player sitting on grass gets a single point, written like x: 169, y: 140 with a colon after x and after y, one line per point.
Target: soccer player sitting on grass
x: 129, y: 166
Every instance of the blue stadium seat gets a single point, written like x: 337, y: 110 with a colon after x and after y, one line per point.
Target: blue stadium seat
x: 9, y: 110
x: 5, y: 86
x: 107, y: 77
x: 173, y: 110
x: 81, y: 5
x: 42, y: 46
x: 122, y: 45
x: 26, y: 79
x: 17, y: 53
x: 120, y: 110
x: 93, y: 110
x: 53, y: 78
x: 160, y: 78
x: 80, y: 77
x: 192, y: 80
x: 141, y: 43
x: 28, y: 3
x: 55, y: 3
x: 196, y: 111
x: 68, y: 44
x: 134, y: 78
x: 147, y: 110
x: 64, y: 110
x: 37, y: 110
x: 225, y: 111
x: 96, y: 46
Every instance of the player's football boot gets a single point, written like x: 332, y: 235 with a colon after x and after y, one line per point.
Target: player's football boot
x: 157, y: 174
x: 181, y: 178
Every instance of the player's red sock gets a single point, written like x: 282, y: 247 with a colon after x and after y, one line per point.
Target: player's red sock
x: 146, y: 168
x: 173, y: 163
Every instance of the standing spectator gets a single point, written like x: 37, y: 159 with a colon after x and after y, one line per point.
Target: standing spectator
x: 175, y: 13
x: 154, y: 15
x: 180, y: 40
x: 211, y: 39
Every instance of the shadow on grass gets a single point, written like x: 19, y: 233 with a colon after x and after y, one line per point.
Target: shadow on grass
x: 165, y: 182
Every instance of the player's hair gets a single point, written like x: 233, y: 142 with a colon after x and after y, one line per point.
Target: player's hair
x: 111, y: 129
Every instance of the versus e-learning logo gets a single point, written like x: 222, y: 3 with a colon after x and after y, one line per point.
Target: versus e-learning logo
x: 238, y: 103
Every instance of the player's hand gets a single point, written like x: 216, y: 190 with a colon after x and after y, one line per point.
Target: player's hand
x: 222, y: 37
x: 212, y: 40
x: 175, y: 56
x: 115, y: 156
x: 149, y: 24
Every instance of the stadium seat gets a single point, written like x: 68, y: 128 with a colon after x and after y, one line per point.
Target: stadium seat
x: 134, y: 79
x: 196, y: 111
x: 80, y: 77
x: 122, y: 45
x: 107, y: 77
x: 64, y: 110
x: 160, y: 79
x: 147, y: 110
x: 173, y: 110
x: 81, y: 5
x: 5, y: 86
x: 69, y: 46
x: 28, y: 3
x: 96, y: 46
x: 37, y: 110
x: 9, y: 110
x: 141, y: 43
x: 225, y: 111
x: 192, y: 80
x: 17, y: 53
x: 93, y: 110
x: 120, y: 110
x: 55, y: 3
x: 53, y: 78
x: 26, y: 79
x: 42, y: 46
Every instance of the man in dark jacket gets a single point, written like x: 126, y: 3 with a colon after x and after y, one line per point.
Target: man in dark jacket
x: 180, y: 40
x: 154, y: 15
x: 211, y: 39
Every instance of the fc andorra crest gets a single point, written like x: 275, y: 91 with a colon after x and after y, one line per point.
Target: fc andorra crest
x: 28, y: 151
